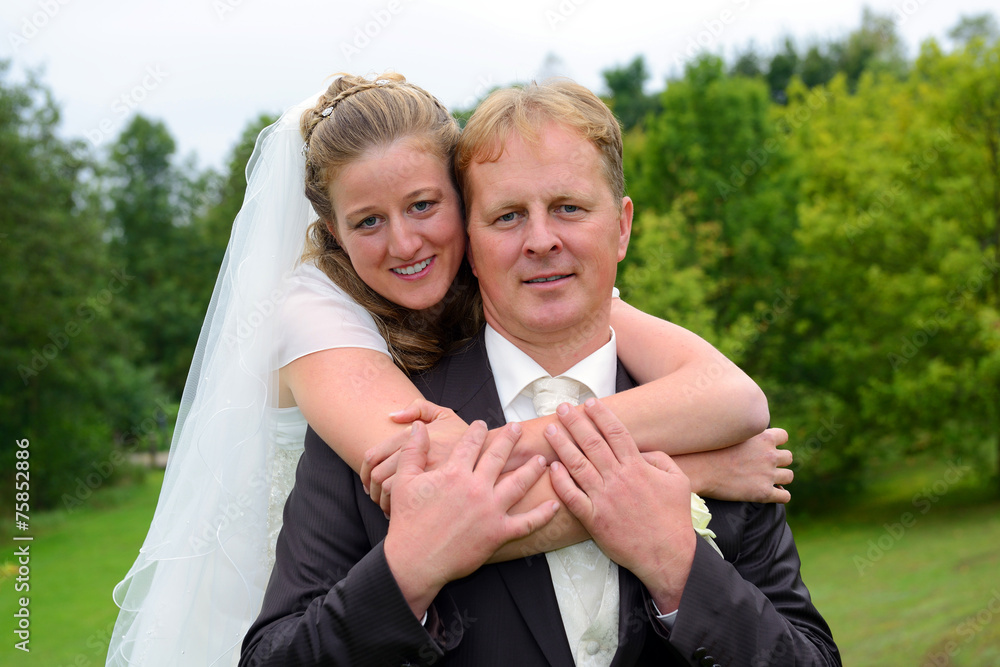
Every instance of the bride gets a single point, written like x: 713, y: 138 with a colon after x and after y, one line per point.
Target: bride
x: 322, y: 320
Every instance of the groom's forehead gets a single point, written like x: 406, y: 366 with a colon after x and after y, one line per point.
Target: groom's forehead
x: 531, y: 148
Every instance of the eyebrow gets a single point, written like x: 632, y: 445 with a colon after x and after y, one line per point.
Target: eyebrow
x: 494, y: 209
x: 563, y: 196
x: 429, y: 191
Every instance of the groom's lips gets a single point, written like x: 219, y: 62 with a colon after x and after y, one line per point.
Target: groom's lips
x: 549, y: 279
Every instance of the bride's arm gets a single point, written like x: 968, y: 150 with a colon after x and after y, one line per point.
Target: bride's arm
x: 346, y: 395
x: 691, y: 398
x: 695, y: 405
x: 694, y: 400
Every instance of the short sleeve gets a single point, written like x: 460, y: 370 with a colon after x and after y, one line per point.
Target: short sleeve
x: 316, y: 314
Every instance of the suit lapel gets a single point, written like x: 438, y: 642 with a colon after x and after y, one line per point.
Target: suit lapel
x: 633, y: 620
x: 468, y: 386
x: 470, y: 391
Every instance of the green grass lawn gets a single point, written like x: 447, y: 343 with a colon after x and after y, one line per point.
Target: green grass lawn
x: 911, y: 577
x: 76, y: 559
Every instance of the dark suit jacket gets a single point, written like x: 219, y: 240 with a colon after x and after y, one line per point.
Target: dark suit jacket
x: 332, y: 600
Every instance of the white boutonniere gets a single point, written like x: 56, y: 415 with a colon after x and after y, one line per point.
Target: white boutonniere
x: 700, y: 516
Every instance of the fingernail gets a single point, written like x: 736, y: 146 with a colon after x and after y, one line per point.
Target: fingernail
x: 555, y: 465
x: 591, y: 402
x: 563, y: 408
x: 386, y: 516
x: 397, y: 412
x: 515, y: 428
x: 550, y: 429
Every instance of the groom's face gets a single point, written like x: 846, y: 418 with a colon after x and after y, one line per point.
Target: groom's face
x: 545, y: 237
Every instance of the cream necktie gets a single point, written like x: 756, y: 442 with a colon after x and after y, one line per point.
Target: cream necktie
x: 584, y: 578
x: 547, y: 393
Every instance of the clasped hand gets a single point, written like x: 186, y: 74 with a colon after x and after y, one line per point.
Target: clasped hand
x: 762, y: 465
x: 446, y: 522
x: 636, y: 506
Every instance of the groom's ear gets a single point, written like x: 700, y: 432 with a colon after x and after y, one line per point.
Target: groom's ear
x: 469, y: 258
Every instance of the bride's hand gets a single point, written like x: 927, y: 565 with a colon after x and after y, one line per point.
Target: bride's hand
x: 445, y: 429
x: 761, y: 470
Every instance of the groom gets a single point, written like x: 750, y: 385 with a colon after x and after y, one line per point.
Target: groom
x: 540, y: 169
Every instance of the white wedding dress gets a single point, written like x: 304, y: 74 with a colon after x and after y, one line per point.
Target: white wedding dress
x: 200, y: 575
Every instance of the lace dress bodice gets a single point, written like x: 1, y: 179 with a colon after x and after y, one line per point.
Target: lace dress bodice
x: 289, y: 432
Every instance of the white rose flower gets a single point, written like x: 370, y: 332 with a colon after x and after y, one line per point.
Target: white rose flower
x: 700, y: 516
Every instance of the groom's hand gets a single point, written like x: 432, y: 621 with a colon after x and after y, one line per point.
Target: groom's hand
x: 445, y: 429
x: 636, y: 506
x: 446, y: 522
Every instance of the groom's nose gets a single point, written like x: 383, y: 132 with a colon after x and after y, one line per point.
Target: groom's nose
x: 539, y: 236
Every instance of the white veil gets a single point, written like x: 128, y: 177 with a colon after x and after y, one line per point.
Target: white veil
x: 200, y: 576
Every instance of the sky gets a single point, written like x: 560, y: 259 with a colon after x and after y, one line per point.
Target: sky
x: 208, y: 67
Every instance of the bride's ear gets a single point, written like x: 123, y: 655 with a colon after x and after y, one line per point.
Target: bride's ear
x: 331, y: 226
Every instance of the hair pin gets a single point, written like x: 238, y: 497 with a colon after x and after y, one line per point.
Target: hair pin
x: 327, y: 111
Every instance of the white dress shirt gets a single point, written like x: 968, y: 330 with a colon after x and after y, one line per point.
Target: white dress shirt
x: 584, y: 578
x: 513, y: 370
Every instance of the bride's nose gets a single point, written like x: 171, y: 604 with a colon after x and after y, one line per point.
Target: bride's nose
x: 404, y: 239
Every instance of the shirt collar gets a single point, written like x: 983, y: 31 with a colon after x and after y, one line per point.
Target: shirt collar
x: 513, y: 370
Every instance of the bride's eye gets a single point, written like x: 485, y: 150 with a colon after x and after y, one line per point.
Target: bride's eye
x: 422, y: 206
x: 367, y: 223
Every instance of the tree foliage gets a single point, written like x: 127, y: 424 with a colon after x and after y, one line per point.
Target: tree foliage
x: 854, y: 271
x: 106, y: 268
x: 628, y: 98
x: 829, y: 217
x: 69, y: 385
x: 715, y: 148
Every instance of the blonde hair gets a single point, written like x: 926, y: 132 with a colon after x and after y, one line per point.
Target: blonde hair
x: 353, y: 116
x: 523, y: 110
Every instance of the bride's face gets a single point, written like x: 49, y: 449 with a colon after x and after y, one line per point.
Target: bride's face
x: 399, y: 219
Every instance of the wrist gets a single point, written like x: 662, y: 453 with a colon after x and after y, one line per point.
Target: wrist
x: 415, y: 583
x: 666, y: 586
x: 700, y: 475
x: 532, y: 443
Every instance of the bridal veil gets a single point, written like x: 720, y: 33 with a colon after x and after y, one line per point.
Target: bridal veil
x: 199, y: 579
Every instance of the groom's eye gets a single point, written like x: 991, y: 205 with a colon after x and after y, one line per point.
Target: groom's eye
x: 507, y: 217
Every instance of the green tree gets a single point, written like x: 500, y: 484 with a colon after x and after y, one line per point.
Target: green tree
x: 960, y: 93
x: 980, y: 26
x: 874, y: 47
x: 781, y: 69
x: 68, y: 386
x: 817, y: 67
x: 628, y: 98
x: 897, y: 336
x: 715, y: 149
x: 748, y: 63
x: 152, y: 207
